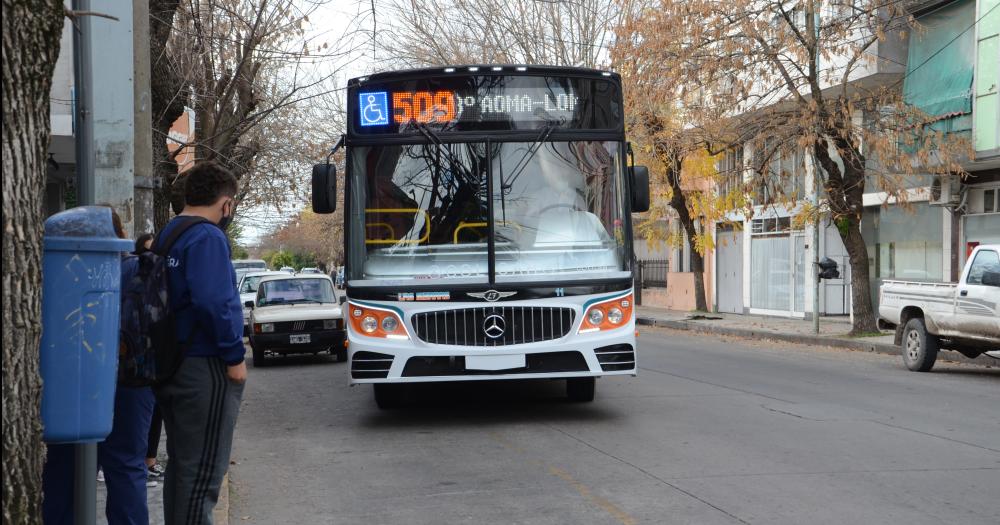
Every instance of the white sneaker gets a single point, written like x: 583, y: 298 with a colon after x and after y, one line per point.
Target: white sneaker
x: 100, y: 475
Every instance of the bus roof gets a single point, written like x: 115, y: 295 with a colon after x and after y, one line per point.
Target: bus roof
x: 485, y: 69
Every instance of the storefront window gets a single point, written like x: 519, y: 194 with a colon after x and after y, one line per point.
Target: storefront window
x: 905, y: 244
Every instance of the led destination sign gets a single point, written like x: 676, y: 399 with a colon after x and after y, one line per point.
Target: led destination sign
x: 444, y: 107
x: 488, y: 103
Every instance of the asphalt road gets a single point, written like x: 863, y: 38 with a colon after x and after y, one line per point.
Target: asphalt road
x: 713, y: 430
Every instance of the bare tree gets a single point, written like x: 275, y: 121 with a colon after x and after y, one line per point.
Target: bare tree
x: 31, y: 33
x: 568, y: 33
x: 786, y: 78
x: 246, y: 67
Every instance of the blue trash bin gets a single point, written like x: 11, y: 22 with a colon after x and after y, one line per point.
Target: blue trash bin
x: 81, y: 298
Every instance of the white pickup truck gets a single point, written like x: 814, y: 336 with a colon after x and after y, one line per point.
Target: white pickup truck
x: 962, y: 316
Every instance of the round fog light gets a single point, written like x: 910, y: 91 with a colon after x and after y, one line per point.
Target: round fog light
x: 595, y: 316
x: 389, y: 324
x: 369, y: 324
x: 615, y: 315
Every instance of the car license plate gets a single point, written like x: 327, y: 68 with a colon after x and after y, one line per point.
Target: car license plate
x: 299, y: 339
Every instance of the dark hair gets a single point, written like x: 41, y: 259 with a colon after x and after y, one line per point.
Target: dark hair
x: 206, y: 181
x: 140, y: 243
x: 116, y: 221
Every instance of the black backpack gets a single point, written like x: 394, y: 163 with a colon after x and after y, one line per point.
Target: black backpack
x: 149, y: 351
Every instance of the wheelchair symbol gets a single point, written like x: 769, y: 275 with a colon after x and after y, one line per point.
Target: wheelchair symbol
x: 374, y: 108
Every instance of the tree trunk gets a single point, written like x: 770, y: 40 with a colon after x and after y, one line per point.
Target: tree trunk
x: 31, y: 33
x: 845, y: 194
x: 167, y: 99
x: 864, y: 313
x: 678, y: 202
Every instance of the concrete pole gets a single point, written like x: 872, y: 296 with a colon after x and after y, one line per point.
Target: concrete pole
x: 144, y: 182
x: 113, y: 93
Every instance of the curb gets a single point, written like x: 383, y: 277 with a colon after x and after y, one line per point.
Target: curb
x: 859, y: 345
x: 220, y: 516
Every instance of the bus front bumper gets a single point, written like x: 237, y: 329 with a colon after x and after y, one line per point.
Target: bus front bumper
x: 376, y: 360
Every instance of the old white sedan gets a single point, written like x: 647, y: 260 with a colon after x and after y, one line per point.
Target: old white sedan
x: 296, y: 314
x: 248, y: 293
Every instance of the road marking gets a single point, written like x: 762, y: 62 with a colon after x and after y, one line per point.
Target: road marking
x: 612, y: 509
x: 608, y: 507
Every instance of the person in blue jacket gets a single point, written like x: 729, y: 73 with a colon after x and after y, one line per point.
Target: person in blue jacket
x: 201, y: 401
x: 122, y: 455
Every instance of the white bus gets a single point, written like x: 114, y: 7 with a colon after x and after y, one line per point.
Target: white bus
x: 487, y: 227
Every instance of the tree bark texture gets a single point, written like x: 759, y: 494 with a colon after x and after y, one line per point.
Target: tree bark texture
x: 31, y: 33
x: 167, y: 98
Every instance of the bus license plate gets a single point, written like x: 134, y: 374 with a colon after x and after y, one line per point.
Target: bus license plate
x: 494, y: 362
x: 299, y: 339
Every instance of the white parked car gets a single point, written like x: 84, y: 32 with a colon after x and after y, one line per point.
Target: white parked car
x: 248, y: 292
x: 296, y: 314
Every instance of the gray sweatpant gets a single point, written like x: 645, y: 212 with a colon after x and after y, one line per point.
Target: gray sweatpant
x: 199, y: 406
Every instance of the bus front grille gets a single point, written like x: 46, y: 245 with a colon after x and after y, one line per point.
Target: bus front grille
x: 493, y: 325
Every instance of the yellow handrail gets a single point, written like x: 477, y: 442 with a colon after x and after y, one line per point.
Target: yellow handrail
x: 427, y: 223
x: 463, y: 225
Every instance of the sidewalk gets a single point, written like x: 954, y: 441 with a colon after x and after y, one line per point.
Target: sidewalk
x: 833, y: 331
x: 154, y: 500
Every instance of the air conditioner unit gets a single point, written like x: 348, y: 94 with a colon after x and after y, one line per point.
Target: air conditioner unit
x: 945, y: 191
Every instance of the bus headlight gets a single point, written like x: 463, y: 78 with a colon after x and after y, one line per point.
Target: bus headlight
x: 376, y: 322
x: 607, y: 315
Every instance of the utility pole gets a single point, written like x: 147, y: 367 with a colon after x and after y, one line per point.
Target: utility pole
x: 85, y: 457
x: 812, y: 24
x: 143, y: 161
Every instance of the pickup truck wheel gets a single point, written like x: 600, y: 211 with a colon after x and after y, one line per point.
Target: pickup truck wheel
x: 920, y: 348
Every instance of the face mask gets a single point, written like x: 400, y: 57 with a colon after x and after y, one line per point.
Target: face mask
x: 226, y: 219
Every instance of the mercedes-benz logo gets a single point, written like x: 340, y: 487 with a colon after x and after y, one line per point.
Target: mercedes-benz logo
x: 490, y: 295
x: 494, y: 326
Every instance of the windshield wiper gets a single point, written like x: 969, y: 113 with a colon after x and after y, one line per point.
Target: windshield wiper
x: 522, y: 163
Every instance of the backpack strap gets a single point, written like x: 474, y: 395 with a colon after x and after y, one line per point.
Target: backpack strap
x: 162, y: 246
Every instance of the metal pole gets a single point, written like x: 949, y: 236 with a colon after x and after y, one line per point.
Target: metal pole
x: 84, y: 122
x: 85, y: 473
x: 815, y: 244
x: 85, y: 484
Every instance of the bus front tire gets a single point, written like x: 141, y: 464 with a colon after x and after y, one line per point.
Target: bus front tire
x: 388, y: 396
x: 581, y: 389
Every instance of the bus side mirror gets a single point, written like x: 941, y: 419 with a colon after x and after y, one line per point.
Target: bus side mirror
x: 640, y: 189
x: 324, y: 188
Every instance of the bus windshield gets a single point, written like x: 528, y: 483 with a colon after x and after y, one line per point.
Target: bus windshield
x: 422, y: 212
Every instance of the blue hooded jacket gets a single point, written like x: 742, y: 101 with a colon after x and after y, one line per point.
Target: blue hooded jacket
x: 203, y: 293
